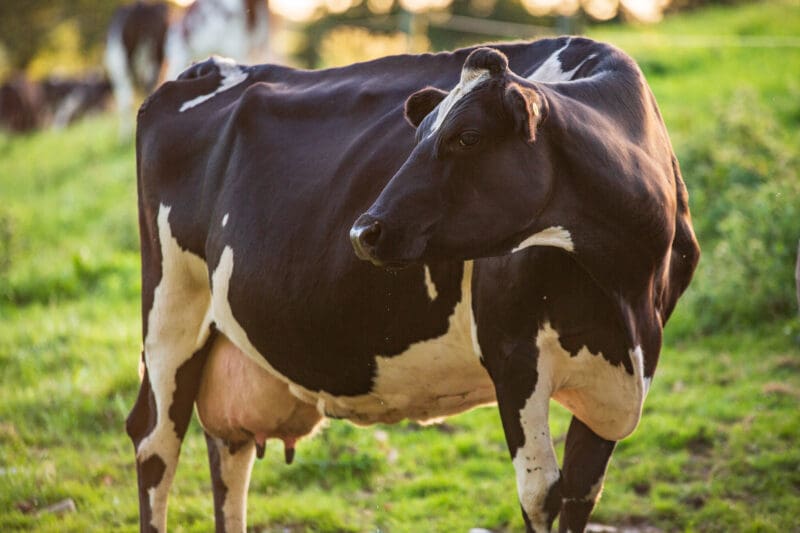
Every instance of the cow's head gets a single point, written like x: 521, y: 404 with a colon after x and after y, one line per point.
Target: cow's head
x: 476, y: 179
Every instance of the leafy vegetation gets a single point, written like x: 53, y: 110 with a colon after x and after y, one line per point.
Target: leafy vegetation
x: 717, y: 447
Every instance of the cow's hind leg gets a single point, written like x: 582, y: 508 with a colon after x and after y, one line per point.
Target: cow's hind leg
x: 177, y: 339
x: 586, y: 457
x: 231, y: 465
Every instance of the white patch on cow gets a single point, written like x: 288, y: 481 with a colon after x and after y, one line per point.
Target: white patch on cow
x: 470, y: 78
x: 430, y: 380
x: 232, y: 75
x: 175, y: 331
x: 432, y: 292
x: 225, y: 220
x: 235, y: 470
x: 605, y: 397
x: 535, y: 462
x: 143, y: 65
x: 66, y: 109
x: 223, y: 314
x: 555, y: 236
x: 551, y: 71
x: 647, y: 382
x: 473, y: 326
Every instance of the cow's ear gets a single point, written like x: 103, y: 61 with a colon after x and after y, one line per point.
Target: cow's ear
x: 422, y: 102
x: 526, y: 107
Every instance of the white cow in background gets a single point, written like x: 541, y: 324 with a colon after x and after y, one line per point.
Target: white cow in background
x: 149, y: 43
x: 238, y: 29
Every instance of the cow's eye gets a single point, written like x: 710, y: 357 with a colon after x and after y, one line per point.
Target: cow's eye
x: 469, y: 138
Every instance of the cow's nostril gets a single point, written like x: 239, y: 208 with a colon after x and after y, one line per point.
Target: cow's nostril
x: 370, y: 235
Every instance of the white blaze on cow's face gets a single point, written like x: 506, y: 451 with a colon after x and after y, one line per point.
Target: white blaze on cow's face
x: 470, y: 78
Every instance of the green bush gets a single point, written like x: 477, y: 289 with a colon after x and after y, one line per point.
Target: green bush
x: 745, y: 197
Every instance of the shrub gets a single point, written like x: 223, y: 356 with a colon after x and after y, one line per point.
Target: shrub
x: 745, y: 197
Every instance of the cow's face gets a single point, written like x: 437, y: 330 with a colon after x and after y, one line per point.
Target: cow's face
x: 476, y: 179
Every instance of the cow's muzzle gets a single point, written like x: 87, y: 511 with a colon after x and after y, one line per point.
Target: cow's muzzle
x: 365, y: 235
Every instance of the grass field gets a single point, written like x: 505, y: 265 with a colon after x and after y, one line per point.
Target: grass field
x: 718, y: 448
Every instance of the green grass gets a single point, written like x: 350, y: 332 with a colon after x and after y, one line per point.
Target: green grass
x: 717, y: 449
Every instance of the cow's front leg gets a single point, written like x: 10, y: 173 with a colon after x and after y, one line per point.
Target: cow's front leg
x: 231, y: 465
x: 586, y: 457
x: 523, y: 395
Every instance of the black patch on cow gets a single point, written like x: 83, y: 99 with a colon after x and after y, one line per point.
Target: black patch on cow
x: 143, y: 416
x: 150, y: 472
x: 542, y: 285
x: 140, y: 423
x: 514, y: 374
x: 574, y: 515
x: 187, y: 384
x: 552, y: 502
x: 586, y: 457
x: 331, y: 343
x: 217, y: 483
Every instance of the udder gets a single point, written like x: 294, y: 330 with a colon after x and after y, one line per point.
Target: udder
x: 239, y: 401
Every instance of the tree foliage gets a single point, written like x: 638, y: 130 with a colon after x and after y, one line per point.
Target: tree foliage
x: 25, y: 27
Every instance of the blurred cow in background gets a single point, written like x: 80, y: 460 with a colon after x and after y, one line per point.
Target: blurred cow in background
x: 238, y: 29
x: 69, y: 99
x: 135, y: 53
x: 21, y: 105
x: 147, y: 43
x: 27, y: 105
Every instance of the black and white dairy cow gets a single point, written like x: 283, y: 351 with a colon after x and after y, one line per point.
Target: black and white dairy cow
x: 528, y: 242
